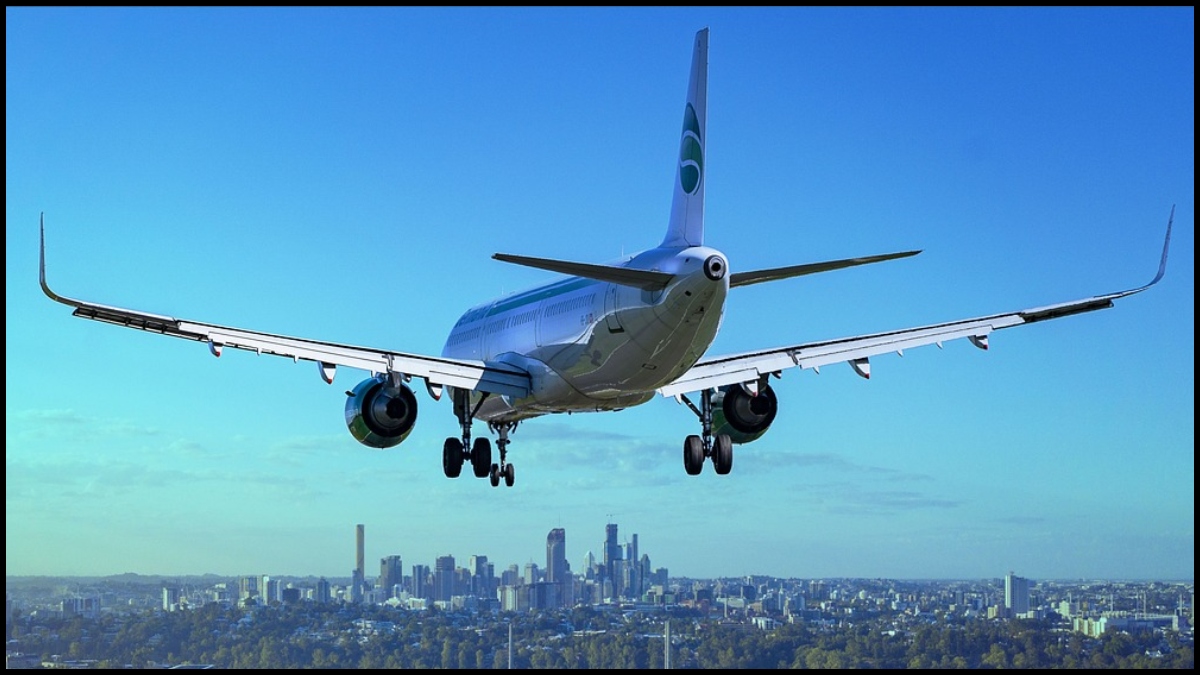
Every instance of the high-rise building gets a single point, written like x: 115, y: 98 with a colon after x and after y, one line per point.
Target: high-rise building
x: 322, y: 593
x: 1016, y: 595
x: 443, y: 578
x: 360, y: 551
x: 612, y: 554
x: 170, y: 599
x: 421, y: 587
x: 268, y: 590
x: 510, y: 576
x: 556, y: 556
x: 358, y: 576
x: 532, y: 575
x: 391, y: 574
x: 247, y: 588
x: 482, y: 584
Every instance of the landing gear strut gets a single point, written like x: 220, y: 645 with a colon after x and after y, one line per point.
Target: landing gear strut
x: 503, y: 469
x: 696, y: 448
x: 454, y: 451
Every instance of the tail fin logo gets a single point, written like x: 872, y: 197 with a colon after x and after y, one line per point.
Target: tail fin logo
x: 691, y: 153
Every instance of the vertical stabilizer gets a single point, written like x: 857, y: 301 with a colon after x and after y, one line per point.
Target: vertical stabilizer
x: 687, y: 208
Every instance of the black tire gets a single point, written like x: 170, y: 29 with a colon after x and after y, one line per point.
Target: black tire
x: 693, y: 455
x: 481, y: 457
x: 510, y: 475
x: 452, y: 457
x: 722, y: 454
x: 494, y: 475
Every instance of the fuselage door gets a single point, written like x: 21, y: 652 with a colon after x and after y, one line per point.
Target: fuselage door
x: 611, y: 305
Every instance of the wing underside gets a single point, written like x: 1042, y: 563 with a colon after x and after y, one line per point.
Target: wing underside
x: 750, y: 368
x: 437, y: 371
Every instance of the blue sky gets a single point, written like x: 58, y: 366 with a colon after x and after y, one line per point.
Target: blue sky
x: 346, y: 174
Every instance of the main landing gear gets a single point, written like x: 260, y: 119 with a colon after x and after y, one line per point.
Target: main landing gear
x: 696, y: 448
x: 454, y: 453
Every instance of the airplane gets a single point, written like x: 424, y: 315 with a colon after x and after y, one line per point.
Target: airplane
x: 607, y: 337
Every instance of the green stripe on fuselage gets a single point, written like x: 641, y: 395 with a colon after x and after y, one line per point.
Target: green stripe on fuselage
x: 561, y: 288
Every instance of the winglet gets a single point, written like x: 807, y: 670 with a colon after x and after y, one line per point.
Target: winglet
x: 42, y: 263
x: 1162, y: 265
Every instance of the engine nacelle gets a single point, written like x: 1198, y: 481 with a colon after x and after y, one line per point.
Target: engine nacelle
x: 377, y: 419
x: 744, y: 417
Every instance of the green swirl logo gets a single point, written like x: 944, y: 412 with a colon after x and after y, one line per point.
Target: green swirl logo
x: 691, y: 153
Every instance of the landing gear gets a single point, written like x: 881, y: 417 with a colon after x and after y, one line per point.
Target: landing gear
x: 481, y: 457
x: 455, y: 454
x: 452, y: 457
x: 693, y: 455
x: 722, y: 454
x: 503, y: 469
x: 696, y: 448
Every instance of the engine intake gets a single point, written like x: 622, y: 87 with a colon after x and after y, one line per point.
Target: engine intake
x: 744, y: 417
x: 377, y: 418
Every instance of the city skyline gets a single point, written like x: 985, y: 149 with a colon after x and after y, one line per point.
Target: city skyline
x: 347, y: 174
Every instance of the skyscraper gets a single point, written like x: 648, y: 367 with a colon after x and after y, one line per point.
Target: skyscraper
x: 612, y: 555
x: 391, y: 574
x: 1016, y: 595
x: 360, y: 558
x: 420, y: 582
x: 358, y: 576
x: 556, y: 556
x: 481, y: 585
x: 443, y: 578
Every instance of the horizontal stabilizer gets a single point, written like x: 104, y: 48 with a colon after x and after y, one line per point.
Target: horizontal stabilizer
x: 625, y: 276
x: 759, y: 276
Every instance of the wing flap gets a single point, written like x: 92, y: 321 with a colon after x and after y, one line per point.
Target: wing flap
x: 500, y: 379
x: 751, y: 366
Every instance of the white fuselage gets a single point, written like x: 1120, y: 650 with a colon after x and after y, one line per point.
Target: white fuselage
x: 592, y: 345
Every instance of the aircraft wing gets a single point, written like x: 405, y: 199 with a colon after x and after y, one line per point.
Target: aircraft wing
x: 750, y: 368
x: 437, y: 371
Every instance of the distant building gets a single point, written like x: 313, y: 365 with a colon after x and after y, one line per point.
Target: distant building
x: 391, y: 575
x: 85, y: 607
x: 1016, y: 595
x: 443, y: 579
x: 170, y: 599
x: 612, y: 556
x: 421, y: 585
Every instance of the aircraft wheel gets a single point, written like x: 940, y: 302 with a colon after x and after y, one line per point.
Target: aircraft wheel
x: 494, y: 475
x: 452, y: 457
x: 693, y: 455
x: 510, y: 474
x: 481, y: 457
x: 722, y: 454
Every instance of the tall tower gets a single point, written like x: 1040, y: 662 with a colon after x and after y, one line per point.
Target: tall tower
x: 443, y: 578
x: 1016, y: 594
x: 481, y: 577
x: 420, y: 582
x: 391, y: 574
x: 556, y: 556
x: 612, y: 555
x: 360, y: 558
x: 359, y: 575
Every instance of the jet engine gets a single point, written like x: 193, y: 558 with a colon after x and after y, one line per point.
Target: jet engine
x: 379, y: 418
x: 744, y: 417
